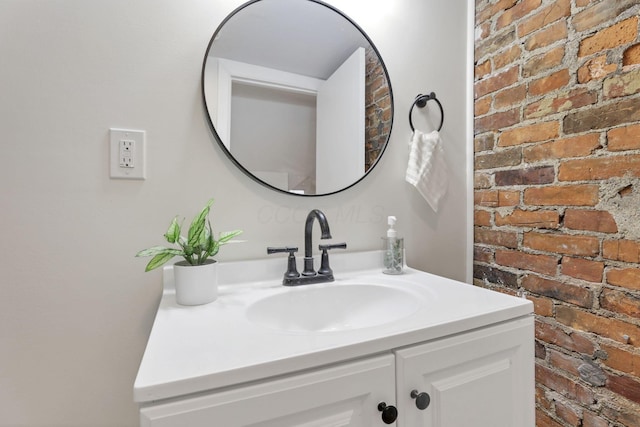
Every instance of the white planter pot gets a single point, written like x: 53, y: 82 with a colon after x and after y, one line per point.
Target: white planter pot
x: 196, y: 284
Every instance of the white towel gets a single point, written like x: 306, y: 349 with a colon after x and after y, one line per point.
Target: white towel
x: 427, y: 169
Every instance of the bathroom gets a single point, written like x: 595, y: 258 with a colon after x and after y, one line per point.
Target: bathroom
x: 77, y: 321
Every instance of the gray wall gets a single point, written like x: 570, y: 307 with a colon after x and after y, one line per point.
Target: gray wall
x: 76, y: 307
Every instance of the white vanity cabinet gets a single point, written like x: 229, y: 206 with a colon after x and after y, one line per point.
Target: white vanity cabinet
x: 470, y: 350
x: 482, y: 379
x: 347, y: 394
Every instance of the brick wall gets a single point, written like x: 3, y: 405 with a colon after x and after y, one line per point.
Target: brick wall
x: 557, y: 194
x: 378, y: 113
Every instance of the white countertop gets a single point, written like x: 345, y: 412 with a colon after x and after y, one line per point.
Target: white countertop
x: 193, y: 349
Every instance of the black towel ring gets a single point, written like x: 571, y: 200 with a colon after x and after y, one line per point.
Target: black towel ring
x: 421, y: 101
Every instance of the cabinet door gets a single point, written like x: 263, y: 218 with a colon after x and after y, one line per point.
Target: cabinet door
x: 483, y: 378
x: 342, y: 395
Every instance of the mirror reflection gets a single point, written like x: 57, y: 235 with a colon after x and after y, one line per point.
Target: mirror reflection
x: 297, y: 95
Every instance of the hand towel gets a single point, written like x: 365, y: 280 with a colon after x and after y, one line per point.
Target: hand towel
x: 427, y: 169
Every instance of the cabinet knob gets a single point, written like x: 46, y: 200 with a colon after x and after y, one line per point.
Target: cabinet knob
x: 389, y: 413
x: 422, y: 399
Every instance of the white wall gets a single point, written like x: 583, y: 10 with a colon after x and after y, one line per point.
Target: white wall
x: 76, y: 307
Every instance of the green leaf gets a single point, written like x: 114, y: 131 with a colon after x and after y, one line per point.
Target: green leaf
x: 197, y: 226
x: 173, y: 233
x: 157, y: 250
x: 225, y: 236
x: 158, y: 260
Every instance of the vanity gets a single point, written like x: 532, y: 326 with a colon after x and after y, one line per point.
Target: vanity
x: 364, y: 349
x: 367, y: 349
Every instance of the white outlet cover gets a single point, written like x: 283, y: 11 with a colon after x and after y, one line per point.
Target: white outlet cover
x: 139, y: 169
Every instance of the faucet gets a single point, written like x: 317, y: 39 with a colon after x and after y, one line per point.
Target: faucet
x: 308, y: 229
x: 309, y: 275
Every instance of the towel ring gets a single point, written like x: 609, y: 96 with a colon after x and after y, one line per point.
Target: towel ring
x: 421, y: 101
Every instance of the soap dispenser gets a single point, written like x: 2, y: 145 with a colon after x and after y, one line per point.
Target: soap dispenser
x: 393, y: 249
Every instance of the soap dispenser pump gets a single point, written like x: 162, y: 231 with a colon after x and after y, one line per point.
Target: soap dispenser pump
x: 393, y: 249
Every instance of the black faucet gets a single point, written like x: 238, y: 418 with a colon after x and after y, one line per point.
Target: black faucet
x: 309, y: 275
x: 308, y: 231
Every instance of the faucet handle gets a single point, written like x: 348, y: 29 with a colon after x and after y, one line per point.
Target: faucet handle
x: 290, y: 249
x: 292, y: 270
x: 324, y: 264
x: 332, y: 246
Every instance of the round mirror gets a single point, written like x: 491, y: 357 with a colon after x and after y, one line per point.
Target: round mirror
x: 297, y: 96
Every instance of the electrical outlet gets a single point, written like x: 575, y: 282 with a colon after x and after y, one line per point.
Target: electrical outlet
x: 127, y: 154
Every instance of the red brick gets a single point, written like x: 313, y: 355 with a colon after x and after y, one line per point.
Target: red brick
x: 559, y: 102
x: 482, y: 218
x: 507, y: 57
x: 544, y: 264
x: 629, y: 416
x: 516, y: 12
x: 566, y: 363
x: 557, y: 290
x: 482, y: 254
x: 545, y: 16
x: 529, y: 133
x: 600, y: 221
x: 481, y: 180
x: 497, y: 82
x: 542, y: 306
x: 484, y: 142
x: 622, y: 359
x: 624, y: 386
x: 535, y: 219
x: 590, y: 419
x: 625, y: 277
x: 544, y: 420
x: 621, y: 250
x: 555, y: 334
x: 616, y: 35
x: 548, y: 36
x: 624, y: 138
x: 562, y: 243
x: 625, y: 111
x: 622, y: 85
x: 508, y: 198
x: 595, y: 69
x: 482, y: 106
x: 527, y: 176
x: 620, y: 302
x: 577, y: 146
x: 599, y: 168
x: 584, y: 269
x: 604, y: 326
x: 631, y: 56
x: 563, y: 195
x: 497, y: 121
x: 492, y: 9
x: 482, y: 70
x: 510, y: 96
x: 543, y: 62
x: 498, y: 159
x: 563, y: 385
x: 568, y: 414
x: 493, y: 199
x: 495, y: 238
x: 549, y: 83
x: 599, y: 13
x: 491, y: 45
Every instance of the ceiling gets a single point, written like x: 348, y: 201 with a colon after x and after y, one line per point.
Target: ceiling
x: 301, y: 37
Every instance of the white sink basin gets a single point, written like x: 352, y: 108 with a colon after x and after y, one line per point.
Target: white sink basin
x: 333, y: 307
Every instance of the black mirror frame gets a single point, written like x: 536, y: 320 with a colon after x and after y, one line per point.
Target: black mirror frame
x: 228, y: 153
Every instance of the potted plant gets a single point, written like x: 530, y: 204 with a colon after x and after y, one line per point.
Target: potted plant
x: 196, y: 276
